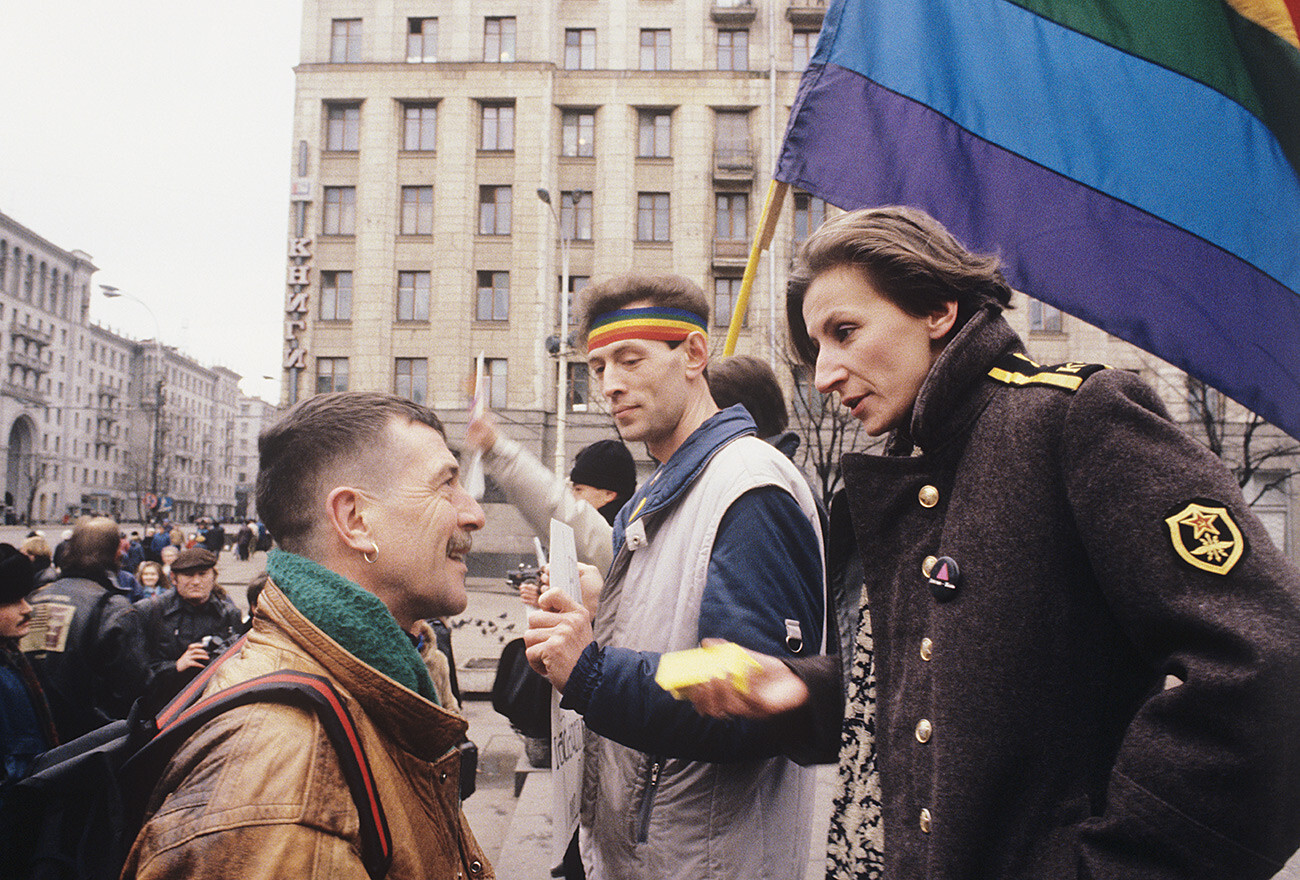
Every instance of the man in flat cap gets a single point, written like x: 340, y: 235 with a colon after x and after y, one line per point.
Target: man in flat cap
x: 176, y: 622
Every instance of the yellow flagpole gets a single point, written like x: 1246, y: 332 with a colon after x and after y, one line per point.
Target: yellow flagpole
x: 766, y: 228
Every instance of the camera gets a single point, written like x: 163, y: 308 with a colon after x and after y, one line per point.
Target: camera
x: 523, y: 573
x: 214, y: 645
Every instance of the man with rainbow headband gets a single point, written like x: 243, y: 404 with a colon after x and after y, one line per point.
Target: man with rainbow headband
x: 722, y: 541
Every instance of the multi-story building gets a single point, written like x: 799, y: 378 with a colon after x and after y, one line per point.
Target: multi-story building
x: 460, y: 166
x: 85, y: 429
x: 254, y: 414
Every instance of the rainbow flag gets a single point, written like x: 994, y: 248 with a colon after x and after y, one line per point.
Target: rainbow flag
x: 1136, y: 163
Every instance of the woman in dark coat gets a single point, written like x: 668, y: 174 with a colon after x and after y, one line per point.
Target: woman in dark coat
x: 1078, y: 652
x: 26, y: 728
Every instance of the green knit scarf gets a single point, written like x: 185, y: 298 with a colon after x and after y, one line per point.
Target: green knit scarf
x: 354, y: 618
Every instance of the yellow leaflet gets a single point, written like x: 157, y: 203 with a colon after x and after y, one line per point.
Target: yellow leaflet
x: 683, y: 669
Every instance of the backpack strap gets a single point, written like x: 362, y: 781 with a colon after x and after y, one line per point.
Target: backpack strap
x: 186, y: 714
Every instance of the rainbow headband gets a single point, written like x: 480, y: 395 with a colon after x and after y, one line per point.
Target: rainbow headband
x: 665, y: 324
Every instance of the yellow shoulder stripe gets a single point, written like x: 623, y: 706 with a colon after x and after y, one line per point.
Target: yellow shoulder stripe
x: 1070, y: 383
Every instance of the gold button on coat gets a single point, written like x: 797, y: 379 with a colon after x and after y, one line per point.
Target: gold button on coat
x: 923, y: 730
x: 928, y: 496
x: 925, y: 820
x: 927, y: 565
x: 927, y: 649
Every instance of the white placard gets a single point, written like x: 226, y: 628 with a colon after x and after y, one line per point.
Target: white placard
x: 473, y: 478
x: 566, y: 725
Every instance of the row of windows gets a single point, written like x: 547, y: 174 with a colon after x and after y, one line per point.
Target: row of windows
x: 411, y: 380
x: 497, y: 129
x: 495, y: 213
x: 26, y: 278
x: 491, y: 300
x: 500, y: 41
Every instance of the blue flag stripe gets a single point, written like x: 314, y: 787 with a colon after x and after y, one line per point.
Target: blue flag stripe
x: 1157, y: 140
x: 855, y: 144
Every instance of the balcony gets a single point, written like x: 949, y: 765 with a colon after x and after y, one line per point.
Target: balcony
x: 104, y: 435
x: 733, y: 165
x: 23, y: 393
x: 732, y: 12
x: 27, y: 331
x: 730, y: 253
x: 806, y: 13
x: 106, y: 390
x: 28, y: 362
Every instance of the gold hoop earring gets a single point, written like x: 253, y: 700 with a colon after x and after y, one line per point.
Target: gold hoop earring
x: 366, y: 556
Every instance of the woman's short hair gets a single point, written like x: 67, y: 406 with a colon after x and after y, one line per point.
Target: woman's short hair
x: 746, y: 380
x: 295, y: 452
x: 906, y: 255
x: 610, y: 294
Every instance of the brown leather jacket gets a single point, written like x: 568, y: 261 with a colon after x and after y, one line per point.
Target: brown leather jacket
x: 258, y: 792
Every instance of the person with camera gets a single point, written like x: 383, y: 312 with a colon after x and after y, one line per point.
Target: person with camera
x: 186, y: 627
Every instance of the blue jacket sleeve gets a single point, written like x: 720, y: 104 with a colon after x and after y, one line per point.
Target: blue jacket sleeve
x: 764, y: 591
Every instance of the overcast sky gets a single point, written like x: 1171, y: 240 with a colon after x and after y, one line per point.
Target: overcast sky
x: 155, y: 136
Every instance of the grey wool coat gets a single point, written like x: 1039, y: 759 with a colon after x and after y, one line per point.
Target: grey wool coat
x: 1087, y: 650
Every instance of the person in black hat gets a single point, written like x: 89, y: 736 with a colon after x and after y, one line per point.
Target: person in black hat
x: 185, y: 627
x: 604, y: 476
x: 26, y: 727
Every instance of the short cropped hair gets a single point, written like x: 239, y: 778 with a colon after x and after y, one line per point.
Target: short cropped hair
x: 321, y: 431
x: 668, y: 291
x: 93, y: 545
x: 746, y: 380
x: 906, y: 255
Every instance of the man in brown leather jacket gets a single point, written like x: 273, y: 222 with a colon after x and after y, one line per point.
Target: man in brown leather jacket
x: 373, y: 525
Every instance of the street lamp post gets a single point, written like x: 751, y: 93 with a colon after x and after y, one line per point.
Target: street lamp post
x: 155, y: 453
x: 561, y: 355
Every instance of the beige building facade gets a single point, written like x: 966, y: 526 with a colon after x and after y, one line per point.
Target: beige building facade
x: 426, y: 134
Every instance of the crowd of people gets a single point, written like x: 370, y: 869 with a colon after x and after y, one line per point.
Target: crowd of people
x: 1041, y: 633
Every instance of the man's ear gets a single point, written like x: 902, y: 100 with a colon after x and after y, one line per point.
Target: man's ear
x: 940, y: 322
x: 345, y: 509
x: 696, y: 346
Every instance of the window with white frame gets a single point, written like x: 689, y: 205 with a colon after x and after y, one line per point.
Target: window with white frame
x: 494, y: 209
x: 339, y: 210
x: 499, y: 39
x: 652, y: 217
x: 733, y: 50
x: 577, y: 133
x: 419, y: 127
x: 417, y: 210
x: 575, y: 215
x: 331, y: 374
x: 421, y: 39
x: 655, y: 131
x: 335, y: 296
x: 413, y: 290
x: 411, y: 378
x: 345, y: 40
x: 342, y: 127
x: 656, y: 49
x: 492, y: 302
x: 579, y: 49
x: 497, y: 131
